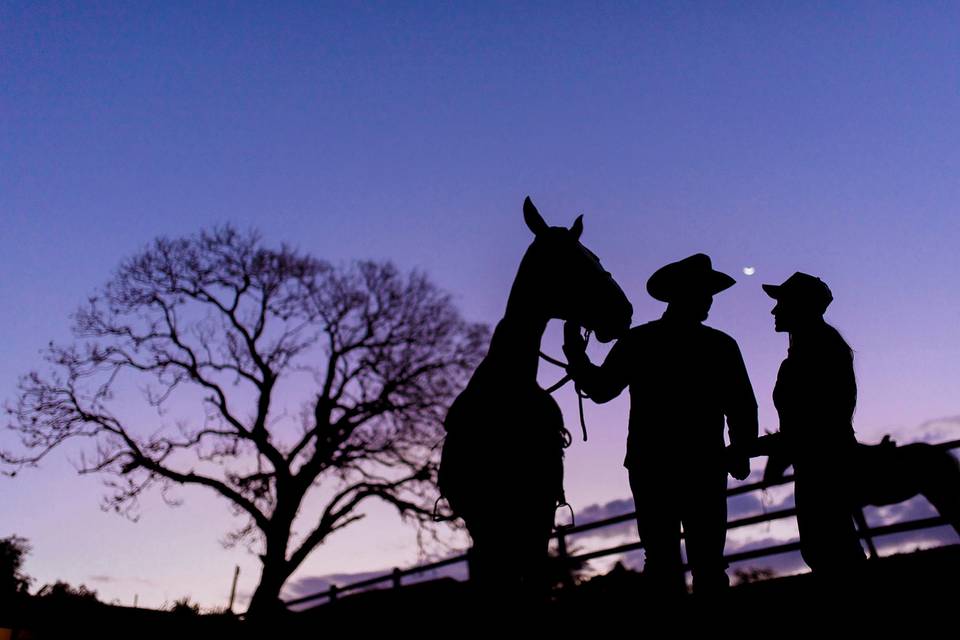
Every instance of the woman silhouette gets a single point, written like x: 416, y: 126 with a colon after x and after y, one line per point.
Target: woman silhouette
x: 815, y: 396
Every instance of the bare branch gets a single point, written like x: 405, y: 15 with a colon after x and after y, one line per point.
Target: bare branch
x: 339, y: 512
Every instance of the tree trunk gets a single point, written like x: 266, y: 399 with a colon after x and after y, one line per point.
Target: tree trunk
x: 265, y: 603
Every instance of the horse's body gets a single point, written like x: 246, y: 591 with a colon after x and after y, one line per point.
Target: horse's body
x: 502, y: 464
x: 502, y: 468
x: 885, y: 474
x: 888, y: 474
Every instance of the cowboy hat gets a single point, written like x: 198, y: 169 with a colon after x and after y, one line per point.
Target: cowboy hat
x: 691, y: 275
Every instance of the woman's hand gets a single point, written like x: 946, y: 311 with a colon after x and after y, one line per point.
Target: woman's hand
x: 738, y: 462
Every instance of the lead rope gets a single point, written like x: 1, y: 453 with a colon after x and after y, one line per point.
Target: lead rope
x: 565, y: 379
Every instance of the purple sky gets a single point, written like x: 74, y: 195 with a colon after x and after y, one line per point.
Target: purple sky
x: 823, y: 138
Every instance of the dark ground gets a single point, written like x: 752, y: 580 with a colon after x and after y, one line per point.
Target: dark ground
x: 914, y: 595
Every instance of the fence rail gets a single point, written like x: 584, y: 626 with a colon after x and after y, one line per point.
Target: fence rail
x: 395, y: 578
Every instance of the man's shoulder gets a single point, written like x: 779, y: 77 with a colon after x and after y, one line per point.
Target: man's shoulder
x: 719, y: 337
x: 657, y: 328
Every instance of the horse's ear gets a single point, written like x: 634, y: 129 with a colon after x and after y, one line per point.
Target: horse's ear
x: 533, y: 218
x: 577, y: 228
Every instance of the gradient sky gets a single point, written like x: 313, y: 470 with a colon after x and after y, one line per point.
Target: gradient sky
x: 820, y: 137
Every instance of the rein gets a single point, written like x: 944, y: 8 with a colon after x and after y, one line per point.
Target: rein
x: 565, y: 379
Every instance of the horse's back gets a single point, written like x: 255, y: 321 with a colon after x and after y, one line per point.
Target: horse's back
x: 890, y: 473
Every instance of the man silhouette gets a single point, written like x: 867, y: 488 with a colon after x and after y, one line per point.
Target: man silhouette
x: 684, y: 377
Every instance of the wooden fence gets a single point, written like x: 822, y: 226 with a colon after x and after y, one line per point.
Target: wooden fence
x: 395, y: 578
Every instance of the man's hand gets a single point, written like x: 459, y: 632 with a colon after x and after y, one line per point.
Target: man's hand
x: 574, y: 346
x: 738, y: 463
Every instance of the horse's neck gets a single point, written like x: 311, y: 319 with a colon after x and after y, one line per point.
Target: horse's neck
x: 514, y: 353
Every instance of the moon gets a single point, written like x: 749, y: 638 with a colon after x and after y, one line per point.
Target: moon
x: 749, y: 271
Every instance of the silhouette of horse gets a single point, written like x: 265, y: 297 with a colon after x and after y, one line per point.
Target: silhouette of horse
x: 885, y: 474
x: 502, y: 464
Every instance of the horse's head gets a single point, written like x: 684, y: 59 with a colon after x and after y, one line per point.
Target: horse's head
x: 569, y: 283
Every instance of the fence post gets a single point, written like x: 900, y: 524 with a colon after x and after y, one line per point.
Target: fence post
x: 396, y: 578
x: 333, y: 593
x: 563, y: 558
x: 471, y: 565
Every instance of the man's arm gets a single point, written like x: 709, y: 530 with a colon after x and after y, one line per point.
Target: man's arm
x: 603, y: 383
x: 741, y: 411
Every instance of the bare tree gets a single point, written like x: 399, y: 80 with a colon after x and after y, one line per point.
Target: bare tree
x: 223, y: 322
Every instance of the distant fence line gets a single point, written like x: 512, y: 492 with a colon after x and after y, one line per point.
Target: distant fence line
x: 395, y: 577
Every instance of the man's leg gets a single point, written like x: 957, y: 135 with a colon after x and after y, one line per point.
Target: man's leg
x: 705, y: 532
x: 658, y: 524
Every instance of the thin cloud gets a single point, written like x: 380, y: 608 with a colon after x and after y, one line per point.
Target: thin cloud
x: 310, y: 585
x: 913, y: 509
x: 914, y: 540
x: 612, y: 509
x: 760, y: 543
x: 739, y: 506
x: 314, y: 584
x: 934, y: 430
x: 942, y: 428
x: 108, y: 579
x: 782, y: 564
x: 596, y: 512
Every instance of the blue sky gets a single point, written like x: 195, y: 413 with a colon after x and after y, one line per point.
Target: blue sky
x: 797, y: 136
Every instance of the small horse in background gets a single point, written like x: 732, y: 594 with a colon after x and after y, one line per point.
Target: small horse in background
x: 501, y: 468
x: 886, y: 474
